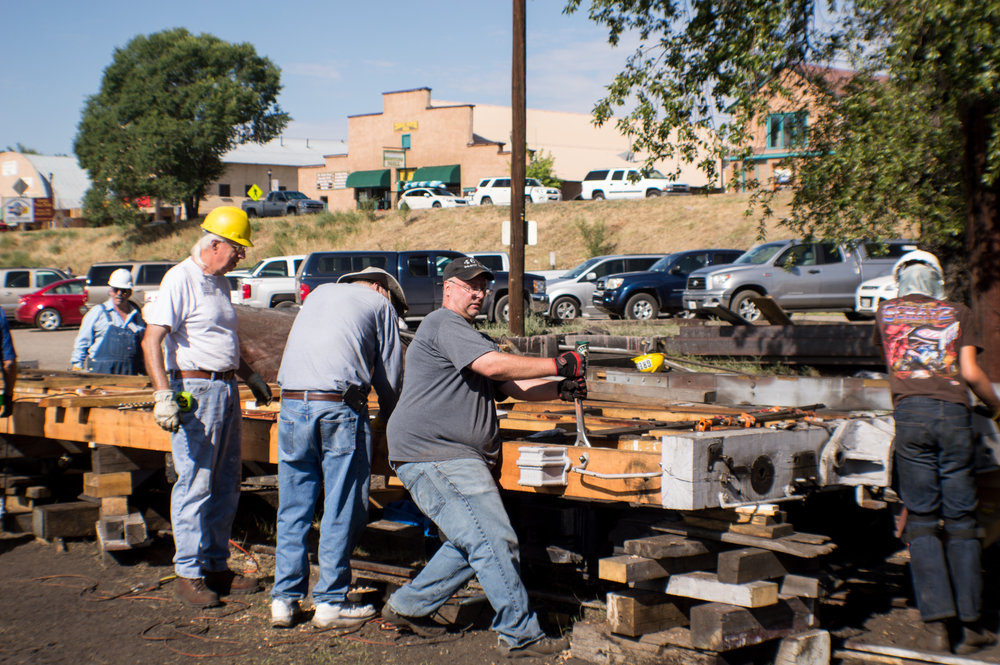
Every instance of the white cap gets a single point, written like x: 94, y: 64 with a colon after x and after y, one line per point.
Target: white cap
x: 121, y: 279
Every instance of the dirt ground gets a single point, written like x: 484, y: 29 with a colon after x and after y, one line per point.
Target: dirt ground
x: 70, y: 606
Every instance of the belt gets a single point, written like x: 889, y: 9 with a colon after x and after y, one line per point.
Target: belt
x: 312, y: 395
x: 228, y: 375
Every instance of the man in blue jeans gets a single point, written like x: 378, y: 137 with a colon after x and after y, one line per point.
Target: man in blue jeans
x: 8, y: 358
x: 930, y: 346
x: 345, y: 341
x: 444, y: 441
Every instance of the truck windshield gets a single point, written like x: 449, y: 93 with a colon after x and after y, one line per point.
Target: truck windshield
x: 581, y: 269
x: 760, y: 254
x: 653, y: 173
x: 662, y: 265
x: 295, y: 195
x: 532, y: 182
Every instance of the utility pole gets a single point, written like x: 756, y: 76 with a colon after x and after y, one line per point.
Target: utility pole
x: 517, y: 175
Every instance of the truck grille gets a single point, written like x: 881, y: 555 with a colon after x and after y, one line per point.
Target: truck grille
x: 696, y: 283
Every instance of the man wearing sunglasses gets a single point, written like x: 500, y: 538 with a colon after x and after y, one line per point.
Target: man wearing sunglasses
x: 110, y: 336
x: 191, y: 349
x: 444, y: 443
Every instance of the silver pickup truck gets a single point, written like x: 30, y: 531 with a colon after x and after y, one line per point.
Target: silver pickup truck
x: 800, y: 276
x: 281, y: 203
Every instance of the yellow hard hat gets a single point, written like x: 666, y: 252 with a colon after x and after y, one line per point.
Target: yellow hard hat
x: 648, y: 362
x: 230, y: 223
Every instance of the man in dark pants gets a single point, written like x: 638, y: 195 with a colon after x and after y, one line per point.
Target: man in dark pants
x: 8, y: 358
x: 930, y: 347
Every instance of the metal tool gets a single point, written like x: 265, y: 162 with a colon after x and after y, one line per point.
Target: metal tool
x: 581, y: 431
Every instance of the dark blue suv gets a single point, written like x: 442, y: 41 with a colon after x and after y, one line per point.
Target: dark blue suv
x: 645, y: 295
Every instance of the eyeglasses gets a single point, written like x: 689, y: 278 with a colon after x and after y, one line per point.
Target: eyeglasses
x: 484, y: 290
x: 238, y: 248
x: 116, y: 290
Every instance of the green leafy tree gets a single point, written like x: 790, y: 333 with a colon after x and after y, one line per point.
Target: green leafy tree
x: 170, y: 105
x: 911, y: 140
x: 542, y: 167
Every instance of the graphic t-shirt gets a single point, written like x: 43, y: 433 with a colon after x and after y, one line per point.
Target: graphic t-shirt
x: 921, y: 338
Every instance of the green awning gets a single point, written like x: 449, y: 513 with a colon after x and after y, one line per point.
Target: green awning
x: 449, y: 175
x: 377, y: 179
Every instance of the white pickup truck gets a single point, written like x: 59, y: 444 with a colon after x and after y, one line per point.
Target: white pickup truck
x: 271, y: 283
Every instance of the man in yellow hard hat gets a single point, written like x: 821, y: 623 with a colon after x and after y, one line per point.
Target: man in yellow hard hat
x: 194, y: 322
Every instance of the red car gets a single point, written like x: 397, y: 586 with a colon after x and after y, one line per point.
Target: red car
x: 58, y: 304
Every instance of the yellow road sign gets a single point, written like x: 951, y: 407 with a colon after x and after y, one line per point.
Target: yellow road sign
x: 255, y: 192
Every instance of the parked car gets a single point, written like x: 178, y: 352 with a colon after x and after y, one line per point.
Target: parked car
x: 61, y: 303
x: 625, y: 183
x: 495, y: 261
x: 421, y: 198
x: 646, y: 295
x: 146, y: 277
x: 270, y: 283
x: 420, y: 275
x: 17, y: 282
x: 496, y: 191
x: 872, y: 292
x: 571, y: 295
x: 800, y: 276
x: 282, y: 202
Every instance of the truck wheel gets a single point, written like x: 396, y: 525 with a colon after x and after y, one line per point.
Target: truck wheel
x: 285, y: 304
x: 642, y: 307
x: 858, y: 316
x: 486, y: 201
x: 436, y: 204
x: 293, y: 211
x: 565, y: 309
x: 597, y: 195
x: 251, y: 212
x: 741, y: 305
x: 501, y: 313
x: 652, y: 193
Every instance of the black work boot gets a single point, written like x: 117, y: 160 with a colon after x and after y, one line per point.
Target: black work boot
x: 935, y: 636
x: 194, y: 592
x: 974, y: 637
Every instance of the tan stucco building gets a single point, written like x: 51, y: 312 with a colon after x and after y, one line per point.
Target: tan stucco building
x: 417, y: 139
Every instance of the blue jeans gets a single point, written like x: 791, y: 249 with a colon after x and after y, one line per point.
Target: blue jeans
x: 462, y: 499
x: 208, y: 461
x: 934, y: 450
x: 322, y: 446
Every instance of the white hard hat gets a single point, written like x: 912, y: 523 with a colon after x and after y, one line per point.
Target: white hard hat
x: 121, y: 279
x: 916, y: 256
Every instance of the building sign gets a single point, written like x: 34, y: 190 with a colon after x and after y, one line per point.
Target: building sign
x: 340, y: 179
x: 44, y: 211
x: 409, y: 126
x: 324, y: 180
x: 8, y: 168
x: 393, y: 158
x: 17, y: 210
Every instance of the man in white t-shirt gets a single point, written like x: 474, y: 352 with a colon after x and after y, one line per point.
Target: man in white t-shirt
x: 197, y: 399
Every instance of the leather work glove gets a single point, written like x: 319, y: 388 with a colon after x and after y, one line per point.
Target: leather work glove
x: 570, y: 364
x: 166, y: 413
x: 261, y: 391
x: 8, y: 405
x: 573, y: 389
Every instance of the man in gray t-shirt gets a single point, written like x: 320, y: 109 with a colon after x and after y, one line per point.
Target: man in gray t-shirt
x: 444, y: 441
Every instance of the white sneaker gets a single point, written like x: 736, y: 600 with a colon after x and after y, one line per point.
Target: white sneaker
x: 284, y: 613
x: 341, y: 615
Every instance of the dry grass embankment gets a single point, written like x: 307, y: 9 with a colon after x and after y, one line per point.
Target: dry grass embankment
x: 650, y: 225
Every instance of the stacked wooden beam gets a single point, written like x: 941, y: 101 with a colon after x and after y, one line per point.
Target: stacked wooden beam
x: 688, y: 595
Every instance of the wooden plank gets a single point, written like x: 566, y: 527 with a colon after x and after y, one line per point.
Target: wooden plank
x: 771, y: 310
x: 112, y: 506
x: 747, y: 565
x: 75, y: 519
x: 628, y: 568
x: 594, y: 642
x: 706, y: 586
x: 911, y: 654
x: 664, y: 546
x: 763, y: 530
x: 727, y: 315
x: 634, y: 613
x: 800, y: 585
x: 722, y: 627
x: 100, y: 485
x: 786, y: 545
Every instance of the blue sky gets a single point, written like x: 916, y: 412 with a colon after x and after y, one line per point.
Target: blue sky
x: 336, y: 57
